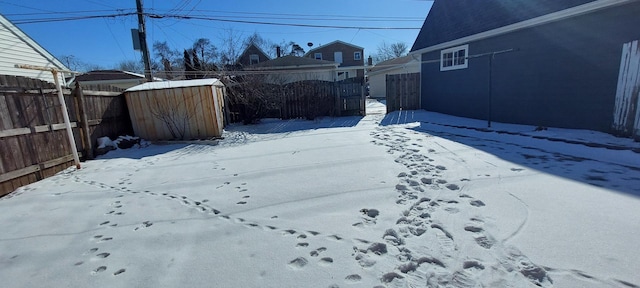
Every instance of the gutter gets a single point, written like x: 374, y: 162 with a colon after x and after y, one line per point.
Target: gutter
x: 545, y: 19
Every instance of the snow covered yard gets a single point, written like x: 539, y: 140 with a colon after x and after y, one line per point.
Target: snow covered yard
x: 338, y: 202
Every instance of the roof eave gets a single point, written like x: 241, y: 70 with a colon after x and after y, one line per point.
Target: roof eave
x: 551, y: 17
x: 32, y: 43
x: 331, y: 43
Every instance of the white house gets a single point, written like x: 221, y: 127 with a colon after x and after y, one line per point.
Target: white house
x: 377, y: 74
x: 291, y: 68
x: 18, y: 48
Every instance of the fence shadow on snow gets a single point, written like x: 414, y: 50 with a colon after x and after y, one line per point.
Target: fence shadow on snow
x: 267, y: 126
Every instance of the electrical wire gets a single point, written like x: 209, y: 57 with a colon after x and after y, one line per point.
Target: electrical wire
x: 156, y: 16
x: 66, y: 12
x: 310, y: 15
x: 59, y: 19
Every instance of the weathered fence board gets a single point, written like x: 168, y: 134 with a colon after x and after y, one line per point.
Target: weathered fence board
x: 306, y: 99
x: 403, y: 92
x: 33, y: 140
x: 626, y: 115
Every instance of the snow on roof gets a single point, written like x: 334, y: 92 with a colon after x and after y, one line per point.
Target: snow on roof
x: 175, y: 84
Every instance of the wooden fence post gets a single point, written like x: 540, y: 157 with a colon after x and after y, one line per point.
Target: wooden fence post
x: 84, y: 123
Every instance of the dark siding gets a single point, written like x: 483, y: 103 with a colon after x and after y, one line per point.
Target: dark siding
x: 564, y: 74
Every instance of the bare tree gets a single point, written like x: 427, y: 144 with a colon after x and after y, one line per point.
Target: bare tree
x: 169, y: 59
x: 71, y: 61
x: 248, y: 95
x: 131, y: 66
x: 232, y: 46
x: 389, y: 51
x: 207, y: 53
x: 267, y: 46
x: 75, y: 64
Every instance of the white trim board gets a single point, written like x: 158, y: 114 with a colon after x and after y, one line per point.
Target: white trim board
x: 545, y: 19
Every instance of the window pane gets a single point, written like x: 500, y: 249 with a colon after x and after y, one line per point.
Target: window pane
x: 447, y: 59
x: 459, y: 57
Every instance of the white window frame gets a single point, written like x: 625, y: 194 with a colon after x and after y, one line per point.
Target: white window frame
x: 317, y: 56
x: 451, y: 59
x: 253, y: 57
x: 357, y: 56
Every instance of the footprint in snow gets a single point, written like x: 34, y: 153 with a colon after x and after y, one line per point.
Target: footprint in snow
x: 298, y: 263
x: 99, y: 269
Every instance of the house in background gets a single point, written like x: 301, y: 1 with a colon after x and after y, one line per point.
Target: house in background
x: 252, y: 55
x: 288, y: 69
x: 18, y: 48
x: 377, y: 74
x: 349, y: 57
x: 546, y: 62
x: 121, y: 80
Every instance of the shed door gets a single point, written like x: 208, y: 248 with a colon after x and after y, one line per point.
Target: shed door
x: 337, y: 57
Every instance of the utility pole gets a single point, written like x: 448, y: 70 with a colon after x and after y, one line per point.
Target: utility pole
x: 142, y: 32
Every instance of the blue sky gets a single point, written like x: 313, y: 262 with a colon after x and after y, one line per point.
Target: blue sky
x: 107, y: 41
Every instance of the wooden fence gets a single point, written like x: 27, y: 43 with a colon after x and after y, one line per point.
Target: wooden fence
x: 403, y: 92
x: 350, y: 97
x: 33, y: 140
x: 626, y: 113
x: 306, y: 99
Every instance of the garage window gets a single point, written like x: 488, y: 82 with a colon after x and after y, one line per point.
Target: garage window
x: 454, y: 58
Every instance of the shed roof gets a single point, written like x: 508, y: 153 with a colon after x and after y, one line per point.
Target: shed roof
x: 393, y: 64
x: 453, y: 19
x: 175, y: 84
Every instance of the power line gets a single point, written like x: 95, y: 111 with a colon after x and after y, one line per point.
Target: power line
x: 309, y: 15
x: 59, y: 19
x: 65, y: 12
x: 157, y: 16
x: 352, y: 19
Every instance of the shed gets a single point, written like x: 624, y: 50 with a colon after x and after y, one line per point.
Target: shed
x: 177, y: 110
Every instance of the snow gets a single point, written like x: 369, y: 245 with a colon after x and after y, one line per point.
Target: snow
x: 174, y: 84
x: 402, y: 200
x: 104, y: 142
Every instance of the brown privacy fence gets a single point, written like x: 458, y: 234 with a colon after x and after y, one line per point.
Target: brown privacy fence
x: 403, y: 92
x: 33, y: 140
x: 306, y: 99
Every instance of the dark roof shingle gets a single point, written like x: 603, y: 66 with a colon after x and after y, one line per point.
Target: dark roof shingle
x: 452, y: 19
